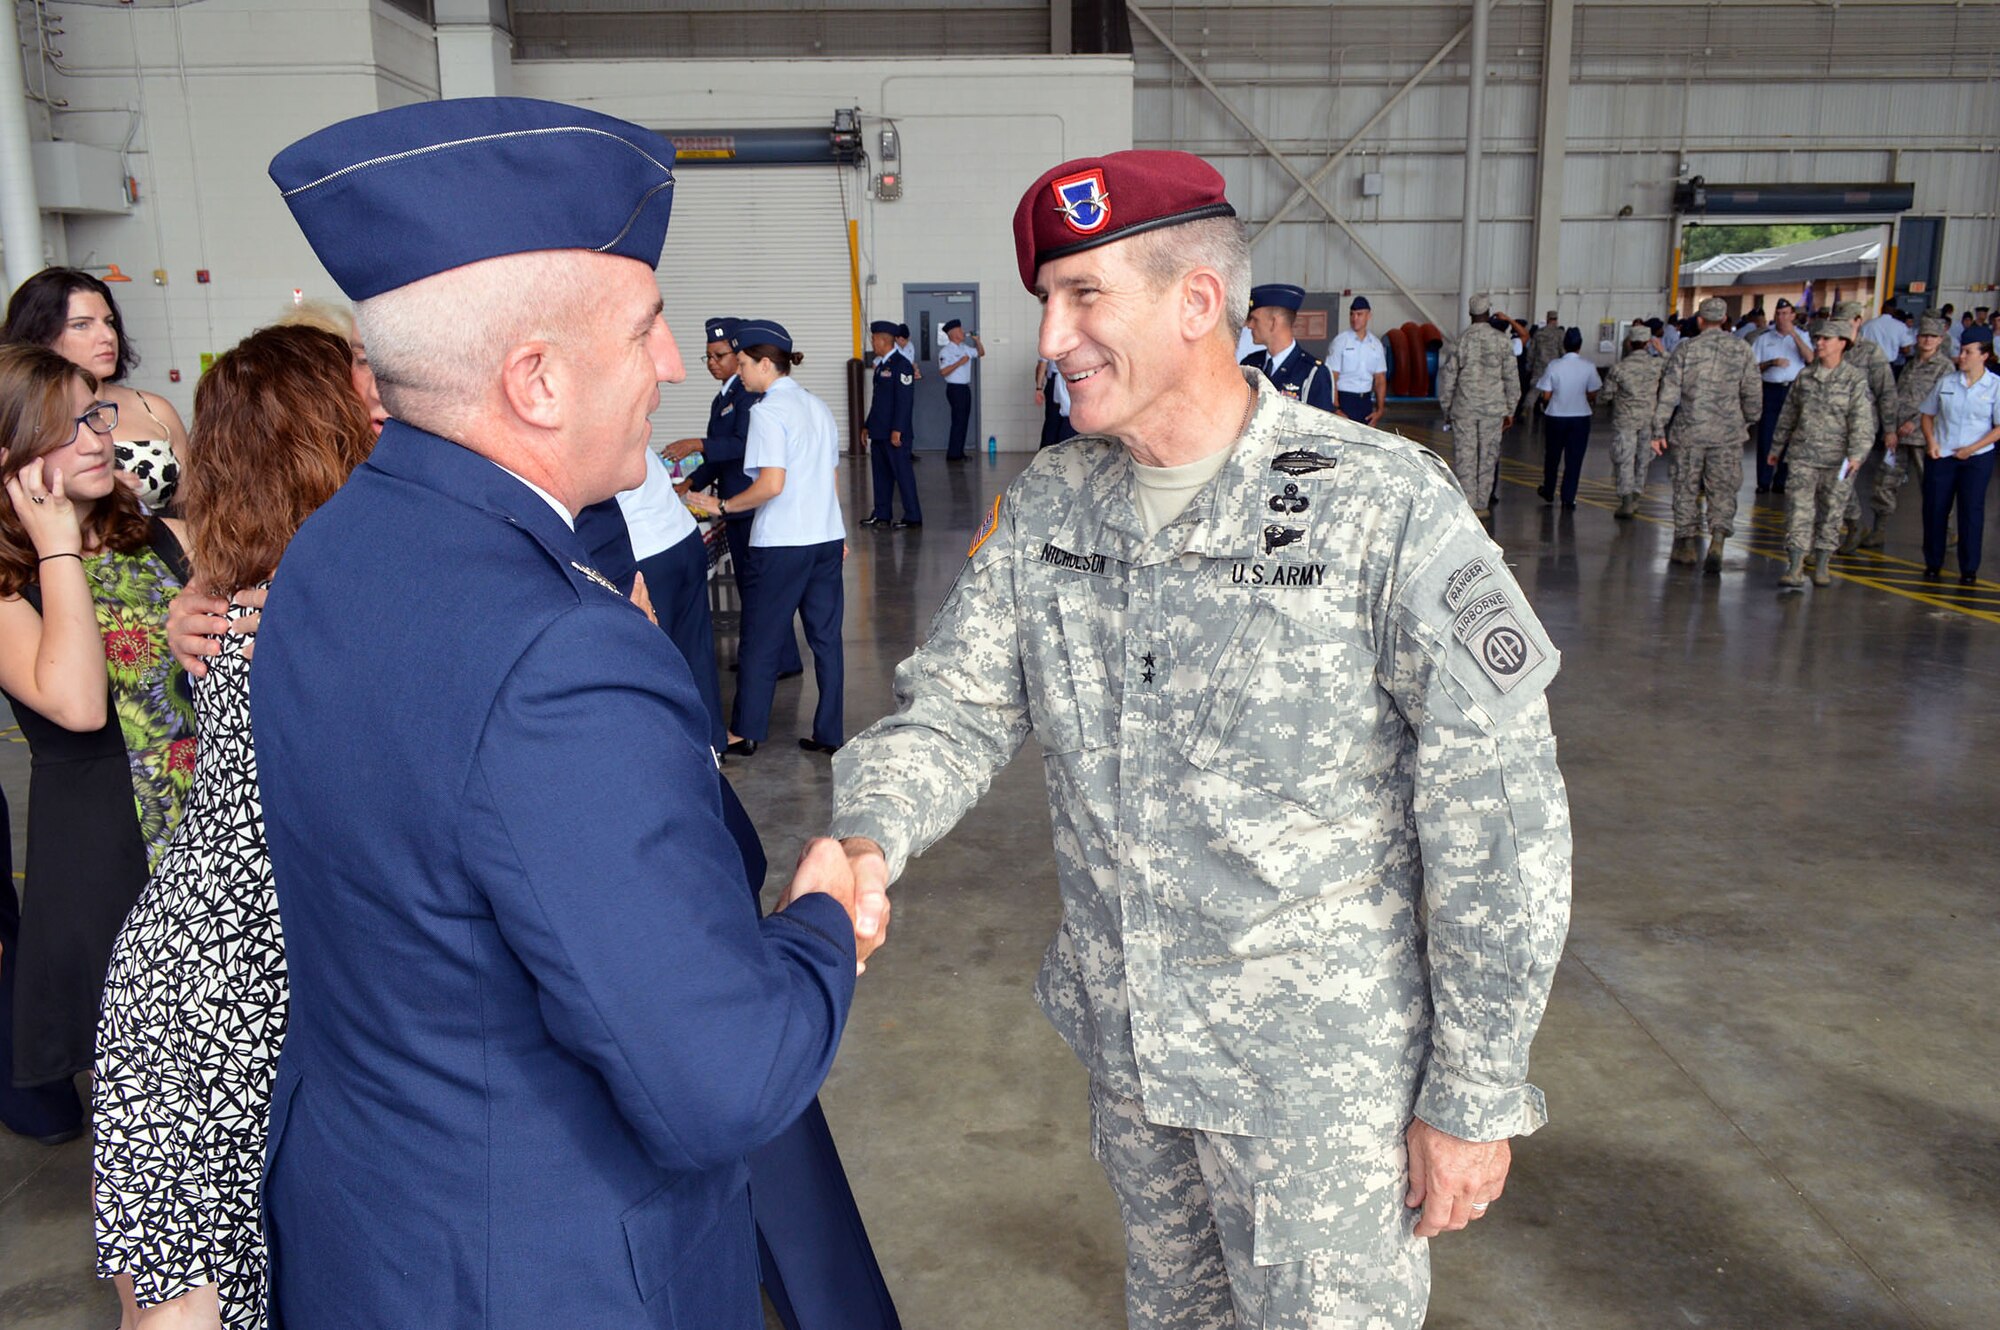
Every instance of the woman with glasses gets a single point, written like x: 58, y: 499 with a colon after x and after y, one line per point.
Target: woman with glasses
x: 71, y: 312
x: 85, y: 577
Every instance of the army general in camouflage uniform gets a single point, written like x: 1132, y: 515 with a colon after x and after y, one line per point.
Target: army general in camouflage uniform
x: 1825, y: 429
x: 1713, y: 395
x: 1311, y: 840
x: 1631, y: 390
x: 1476, y: 388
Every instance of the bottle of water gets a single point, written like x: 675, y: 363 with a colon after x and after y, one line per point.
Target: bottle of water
x: 992, y: 445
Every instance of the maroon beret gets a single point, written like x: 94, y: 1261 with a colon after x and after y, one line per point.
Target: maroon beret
x: 1095, y: 200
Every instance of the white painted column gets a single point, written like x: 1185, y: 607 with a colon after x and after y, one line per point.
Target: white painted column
x: 20, y: 213
x: 475, y: 48
x: 1561, y: 30
x: 1475, y: 142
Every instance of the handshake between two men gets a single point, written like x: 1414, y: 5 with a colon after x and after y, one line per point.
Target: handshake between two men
x: 855, y: 873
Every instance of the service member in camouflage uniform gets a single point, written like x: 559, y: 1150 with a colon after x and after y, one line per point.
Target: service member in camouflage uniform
x: 1310, y: 836
x: 1475, y: 388
x: 1825, y: 429
x: 1631, y: 390
x: 1866, y: 356
x: 1712, y: 394
x: 1545, y: 347
x: 1906, y: 458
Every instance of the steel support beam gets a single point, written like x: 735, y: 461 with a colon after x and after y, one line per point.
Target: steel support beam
x: 1556, y: 47
x: 1307, y: 186
x: 1475, y: 142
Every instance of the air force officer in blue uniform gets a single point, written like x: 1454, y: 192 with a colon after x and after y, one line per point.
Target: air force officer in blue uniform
x: 890, y: 407
x: 1292, y: 370
x: 533, y: 1032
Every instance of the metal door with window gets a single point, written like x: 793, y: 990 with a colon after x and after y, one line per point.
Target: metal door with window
x: 927, y: 309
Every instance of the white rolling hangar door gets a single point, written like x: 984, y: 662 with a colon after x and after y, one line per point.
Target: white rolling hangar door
x: 756, y: 242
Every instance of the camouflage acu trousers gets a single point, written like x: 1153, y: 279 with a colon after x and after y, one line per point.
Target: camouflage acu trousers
x: 1475, y: 457
x: 1890, y: 480
x: 1705, y: 470
x: 1228, y: 1232
x: 1815, y: 499
x: 1631, y: 457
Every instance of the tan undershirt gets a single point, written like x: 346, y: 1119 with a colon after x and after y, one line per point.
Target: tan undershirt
x: 1163, y: 493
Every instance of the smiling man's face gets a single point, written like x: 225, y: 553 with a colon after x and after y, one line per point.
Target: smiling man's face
x: 1114, y: 337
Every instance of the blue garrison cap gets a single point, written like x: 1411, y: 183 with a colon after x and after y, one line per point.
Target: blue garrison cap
x: 952, y: 324
x: 902, y: 330
x: 390, y: 198
x: 883, y: 326
x: 761, y: 332
x: 1279, y: 295
x: 1359, y: 302
x: 720, y: 330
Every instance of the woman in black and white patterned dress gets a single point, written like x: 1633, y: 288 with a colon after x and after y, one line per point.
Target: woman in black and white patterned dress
x: 195, y: 1001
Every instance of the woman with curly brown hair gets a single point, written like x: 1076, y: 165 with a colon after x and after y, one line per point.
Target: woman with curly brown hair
x: 85, y: 577
x: 195, y: 1000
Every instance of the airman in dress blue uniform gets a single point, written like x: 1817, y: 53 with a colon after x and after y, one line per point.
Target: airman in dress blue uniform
x: 1292, y: 370
x: 530, y: 1041
x: 721, y: 449
x: 889, y: 418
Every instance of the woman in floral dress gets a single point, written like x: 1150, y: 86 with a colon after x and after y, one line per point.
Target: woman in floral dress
x: 85, y: 578
x: 195, y: 1001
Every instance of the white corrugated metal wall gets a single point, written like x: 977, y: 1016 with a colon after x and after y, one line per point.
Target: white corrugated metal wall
x: 1783, y: 92
x: 757, y: 242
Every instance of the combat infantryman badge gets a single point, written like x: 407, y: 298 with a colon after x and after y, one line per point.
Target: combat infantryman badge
x: 1083, y: 201
x: 1303, y: 462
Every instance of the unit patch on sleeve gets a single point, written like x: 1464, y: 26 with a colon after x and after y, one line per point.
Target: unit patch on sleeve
x: 1461, y: 582
x: 987, y: 528
x: 1504, y: 650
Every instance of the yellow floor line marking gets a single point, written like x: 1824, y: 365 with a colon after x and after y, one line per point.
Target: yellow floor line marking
x: 1763, y: 522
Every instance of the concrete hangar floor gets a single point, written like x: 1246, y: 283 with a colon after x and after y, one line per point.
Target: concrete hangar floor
x: 1772, y: 1057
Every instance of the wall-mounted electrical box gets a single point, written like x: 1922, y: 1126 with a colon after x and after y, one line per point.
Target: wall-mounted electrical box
x: 77, y: 178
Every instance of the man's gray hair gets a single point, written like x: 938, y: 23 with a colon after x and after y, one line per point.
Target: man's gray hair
x: 1221, y: 243
x: 437, y: 345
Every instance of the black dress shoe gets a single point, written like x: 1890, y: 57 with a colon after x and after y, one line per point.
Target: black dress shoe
x: 1569, y: 507
x: 741, y: 747
x: 1547, y: 495
x: 1933, y: 574
x: 900, y: 524
x: 1968, y: 579
x: 874, y: 521
x: 815, y: 746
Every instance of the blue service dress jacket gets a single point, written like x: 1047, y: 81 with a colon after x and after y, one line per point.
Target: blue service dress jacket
x: 723, y: 444
x: 533, y: 1031
x: 893, y: 404
x: 1301, y: 375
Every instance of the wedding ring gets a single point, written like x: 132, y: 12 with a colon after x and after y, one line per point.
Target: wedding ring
x: 36, y: 498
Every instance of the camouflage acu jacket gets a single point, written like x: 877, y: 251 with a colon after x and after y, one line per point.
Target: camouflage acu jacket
x: 1631, y: 390
x: 1710, y: 390
x: 1828, y: 416
x: 1476, y: 374
x: 1919, y: 377
x: 1867, y: 357
x: 1312, y: 843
